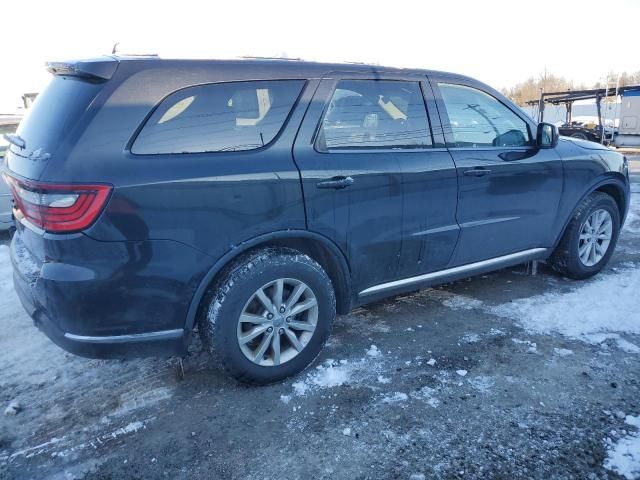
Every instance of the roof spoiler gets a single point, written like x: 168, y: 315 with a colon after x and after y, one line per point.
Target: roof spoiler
x: 95, y: 69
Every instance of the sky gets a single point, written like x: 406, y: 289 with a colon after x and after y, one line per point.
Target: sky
x: 498, y: 42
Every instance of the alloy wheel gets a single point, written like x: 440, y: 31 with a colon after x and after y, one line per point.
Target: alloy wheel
x: 277, y: 322
x: 595, y: 237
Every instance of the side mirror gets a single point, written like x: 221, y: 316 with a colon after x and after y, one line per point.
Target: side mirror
x: 547, y: 136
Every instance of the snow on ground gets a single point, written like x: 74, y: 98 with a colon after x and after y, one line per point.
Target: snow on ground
x: 29, y: 361
x: 608, y: 304
x: 623, y: 456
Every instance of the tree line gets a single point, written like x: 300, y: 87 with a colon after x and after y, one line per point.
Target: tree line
x: 531, y: 88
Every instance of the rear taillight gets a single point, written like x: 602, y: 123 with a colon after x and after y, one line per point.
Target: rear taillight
x: 58, y: 208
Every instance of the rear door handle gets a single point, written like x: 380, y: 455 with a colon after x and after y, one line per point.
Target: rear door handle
x: 477, y: 172
x: 336, y: 182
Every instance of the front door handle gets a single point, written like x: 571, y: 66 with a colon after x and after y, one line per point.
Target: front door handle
x: 336, y: 182
x: 477, y: 172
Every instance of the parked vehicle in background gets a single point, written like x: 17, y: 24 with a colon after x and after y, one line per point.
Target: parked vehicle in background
x: 8, y: 125
x: 628, y: 134
x: 253, y: 200
x: 617, y: 124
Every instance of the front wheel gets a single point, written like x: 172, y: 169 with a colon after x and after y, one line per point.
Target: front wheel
x: 270, y: 315
x: 590, y: 238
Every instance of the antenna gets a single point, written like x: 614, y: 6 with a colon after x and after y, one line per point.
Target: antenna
x: 115, y: 48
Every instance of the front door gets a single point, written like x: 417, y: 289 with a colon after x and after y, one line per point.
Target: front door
x: 509, y: 189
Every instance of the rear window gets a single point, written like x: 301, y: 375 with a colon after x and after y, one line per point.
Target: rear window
x: 54, y: 114
x: 375, y: 114
x: 221, y: 117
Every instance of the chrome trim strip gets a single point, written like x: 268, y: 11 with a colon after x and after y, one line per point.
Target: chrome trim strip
x: 478, y: 223
x: 161, y: 335
x: 452, y: 271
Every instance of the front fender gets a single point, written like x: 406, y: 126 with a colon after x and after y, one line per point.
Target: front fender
x: 607, y: 182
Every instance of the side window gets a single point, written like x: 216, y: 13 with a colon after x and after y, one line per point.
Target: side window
x: 219, y: 117
x: 479, y: 120
x: 375, y: 114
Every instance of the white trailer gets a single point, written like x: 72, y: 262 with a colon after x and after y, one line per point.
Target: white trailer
x: 628, y: 134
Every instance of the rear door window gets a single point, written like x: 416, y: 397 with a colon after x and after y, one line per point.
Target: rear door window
x: 221, y: 117
x: 375, y: 114
x: 479, y: 120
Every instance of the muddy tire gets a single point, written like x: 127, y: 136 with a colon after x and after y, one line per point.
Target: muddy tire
x: 269, y: 315
x: 590, y: 238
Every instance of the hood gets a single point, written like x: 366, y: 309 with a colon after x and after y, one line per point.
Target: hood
x: 586, y: 144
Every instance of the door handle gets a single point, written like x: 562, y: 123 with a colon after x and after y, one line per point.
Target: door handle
x: 336, y: 182
x: 477, y: 172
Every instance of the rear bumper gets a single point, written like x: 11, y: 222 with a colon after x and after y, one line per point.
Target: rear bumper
x: 170, y: 342
x: 102, y: 305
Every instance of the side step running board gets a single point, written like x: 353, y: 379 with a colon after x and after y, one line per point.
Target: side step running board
x: 457, y: 273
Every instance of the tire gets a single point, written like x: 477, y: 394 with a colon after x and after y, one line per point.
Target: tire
x: 566, y: 258
x: 237, y: 293
x: 579, y: 135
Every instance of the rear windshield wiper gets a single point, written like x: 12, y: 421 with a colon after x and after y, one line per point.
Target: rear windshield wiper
x: 15, y: 139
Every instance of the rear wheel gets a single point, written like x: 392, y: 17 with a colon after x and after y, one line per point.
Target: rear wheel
x: 590, y: 238
x: 270, y: 315
x: 579, y: 135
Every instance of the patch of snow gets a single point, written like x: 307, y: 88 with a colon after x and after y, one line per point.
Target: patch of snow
x: 13, y: 408
x: 607, y: 304
x: 131, y: 428
x: 601, y: 338
x: 346, y: 432
x: 562, y: 352
x: 285, y: 398
x: 427, y: 394
x: 330, y: 374
x: 632, y: 224
x: 623, y: 456
x: 396, y: 397
x: 373, y: 351
x: 382, y: 379
x: 470, y: 338
x: 462, y: 302
x: 462, y: 373
x: 431, y: 362
x: 481, y: 383
x: 531, y: 346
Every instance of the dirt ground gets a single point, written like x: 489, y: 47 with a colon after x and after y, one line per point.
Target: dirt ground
x: 508, y: 375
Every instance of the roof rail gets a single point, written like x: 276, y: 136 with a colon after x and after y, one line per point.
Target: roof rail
x: 252, y: 57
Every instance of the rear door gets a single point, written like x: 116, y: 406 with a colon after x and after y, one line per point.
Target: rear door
x: 509, y: 189
x: 372, y: 180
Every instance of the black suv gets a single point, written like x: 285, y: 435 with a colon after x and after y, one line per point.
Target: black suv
x: 253, y: 200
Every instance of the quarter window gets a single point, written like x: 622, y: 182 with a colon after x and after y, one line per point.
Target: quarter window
x: 479, y: 120
x: 375, y: 114
x: 220, y: 117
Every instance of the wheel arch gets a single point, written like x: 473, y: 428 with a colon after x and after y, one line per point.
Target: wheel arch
x: 614, y: 186
x: 318, y: 247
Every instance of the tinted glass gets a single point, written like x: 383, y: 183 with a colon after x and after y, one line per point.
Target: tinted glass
x: 375, y: 114
x: 221, y: 117
x: 479, y: 120
x: 54, y: 114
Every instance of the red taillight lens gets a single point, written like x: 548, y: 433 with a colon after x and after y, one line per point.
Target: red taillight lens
x: 58, y: 208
